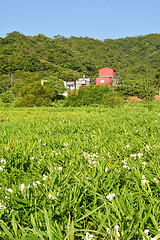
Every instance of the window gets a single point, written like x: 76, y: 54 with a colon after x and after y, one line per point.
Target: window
x: 102, y: 81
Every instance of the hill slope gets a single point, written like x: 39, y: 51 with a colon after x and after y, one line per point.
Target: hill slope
x: 68, y: 58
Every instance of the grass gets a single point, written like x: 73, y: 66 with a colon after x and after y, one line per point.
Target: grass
x: 68, y: 172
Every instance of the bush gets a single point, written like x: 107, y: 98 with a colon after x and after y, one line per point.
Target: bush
x: 141, y: 90
x: 91, y: 95
x: 111, y: 99
x: 72, y: 100
x: 7, y: 97
x: 35, y: 94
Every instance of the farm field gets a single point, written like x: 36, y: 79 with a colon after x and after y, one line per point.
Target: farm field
x: 80, y: 173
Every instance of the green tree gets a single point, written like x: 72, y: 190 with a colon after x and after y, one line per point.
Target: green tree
x: 55, y: 83
x: 35, y: 94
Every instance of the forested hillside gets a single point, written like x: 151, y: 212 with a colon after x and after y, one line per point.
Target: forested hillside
x: 33, y: 58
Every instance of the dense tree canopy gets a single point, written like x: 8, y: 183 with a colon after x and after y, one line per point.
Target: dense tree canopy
x: 128, y: 56
x: 30, y: 59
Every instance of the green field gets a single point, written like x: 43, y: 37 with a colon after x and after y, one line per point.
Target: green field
x: 80, y: 173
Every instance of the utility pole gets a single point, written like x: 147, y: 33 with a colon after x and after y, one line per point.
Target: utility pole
x: 11, y: 80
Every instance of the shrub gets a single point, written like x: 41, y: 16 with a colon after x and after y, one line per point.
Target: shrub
x: 93, y: 94
x: 7, y: 97
x: 111, y: 99
x: 141, y: 90
x: 35, y: 94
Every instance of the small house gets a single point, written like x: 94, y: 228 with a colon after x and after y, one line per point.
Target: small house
x: 107, y: 76
x: 81, y: 82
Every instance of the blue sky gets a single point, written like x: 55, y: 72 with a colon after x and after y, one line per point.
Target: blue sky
x: 99, y: 19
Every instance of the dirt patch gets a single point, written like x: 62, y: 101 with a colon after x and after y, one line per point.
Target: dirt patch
x: 157, y: 97
x: 134, y: 99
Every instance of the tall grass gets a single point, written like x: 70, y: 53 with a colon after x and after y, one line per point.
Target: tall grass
x: 78, y: 172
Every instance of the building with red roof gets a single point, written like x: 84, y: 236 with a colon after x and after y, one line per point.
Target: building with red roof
x: 107, y: 76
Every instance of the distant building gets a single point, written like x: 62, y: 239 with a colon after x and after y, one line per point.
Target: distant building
x: 107, y: 76
x: 70, y: 86
x: 81, y: 82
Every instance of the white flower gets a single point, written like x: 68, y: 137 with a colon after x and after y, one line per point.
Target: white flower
x: 148, y: 147
x: 44, y: 177
x: 58, y: 168
x: 155, y: 179
x: 125, y: 161
x: 117, y: 230
x: 140, y: 155
x: 146, y: 231
x: 9, y: 190
x: 1, y: 169
x: 144, y: 164
x: 34, y: 184
x: 125, y: 166
x: 88, y: 178
x: 127, y: 146
x: 38, y: 182
x: 110, y: 196
x: 144, y: 180
x: 108, y: 231
x: 22, y: 187
x: 106, y: 169
x: 89, y: 236
x: 50, y: 196
x: 66, y: 145
x: 118, y: 171
x: 3, y: 161
x: 2, y: 206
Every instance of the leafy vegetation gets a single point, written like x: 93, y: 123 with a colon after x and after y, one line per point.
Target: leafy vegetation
x: 80, y: 173
x: 35, y: 94
x: 93, y: 95
x: 29, y: 59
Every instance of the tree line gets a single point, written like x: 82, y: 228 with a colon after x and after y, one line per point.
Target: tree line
x: 30, y: 59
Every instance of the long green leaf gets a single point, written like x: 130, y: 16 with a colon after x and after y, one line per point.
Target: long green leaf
x: 6, y: 230
x: 49, y: 230
x: 14, y: 224
x: 86, y: 215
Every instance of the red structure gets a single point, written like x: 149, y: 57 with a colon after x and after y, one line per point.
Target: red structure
x: 107, y: 76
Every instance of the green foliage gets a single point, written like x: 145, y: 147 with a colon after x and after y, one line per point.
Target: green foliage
x: 55, y: 83
x: 156, y: 80
x: 72, y: 100
x: 5, y: 82
x: 93, y: 95
x: 71, y: 57
x: 68, y: 172
x: 30, y: 59
x: 142, y: 90
x: 112, y: 99
x: 7, y: 97
x: 35, y: 94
